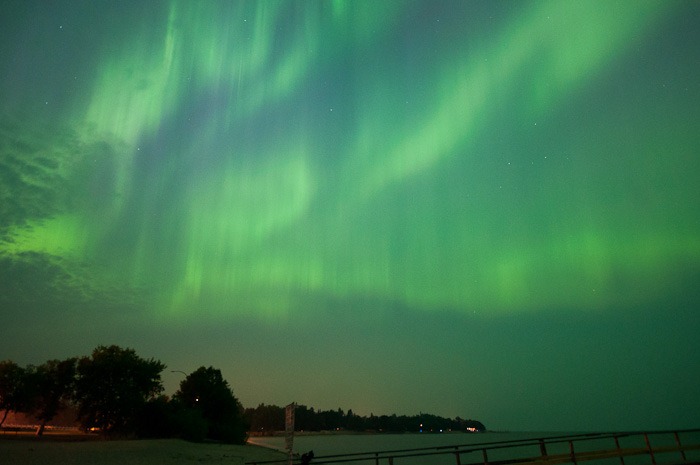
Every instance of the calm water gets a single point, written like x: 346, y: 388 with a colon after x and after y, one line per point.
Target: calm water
x: 324, y: 445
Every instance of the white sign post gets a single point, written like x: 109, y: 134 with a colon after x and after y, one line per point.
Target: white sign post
x: 289, y: 428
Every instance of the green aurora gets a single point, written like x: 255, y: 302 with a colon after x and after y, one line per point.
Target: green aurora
x: 368, y: 196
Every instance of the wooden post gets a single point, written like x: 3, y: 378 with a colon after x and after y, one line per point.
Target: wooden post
x: 651, y: 452
x: 457, y: 459
x: 289, y: 430
x: 678, y: 443
x: 617, y: 445
x: 571, y: 452
x: 543, y: 448
x: 486, y: 457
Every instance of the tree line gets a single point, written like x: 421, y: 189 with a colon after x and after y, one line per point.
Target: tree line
x: 116, y: 392
x: 267, y: 419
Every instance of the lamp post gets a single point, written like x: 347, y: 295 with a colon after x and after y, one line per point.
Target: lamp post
x: 178, y: 371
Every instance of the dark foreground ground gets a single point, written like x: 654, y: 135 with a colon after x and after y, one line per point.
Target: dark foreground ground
x: 73, y: 451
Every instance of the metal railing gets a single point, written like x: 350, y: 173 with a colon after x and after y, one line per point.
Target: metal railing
x: 656, y: 445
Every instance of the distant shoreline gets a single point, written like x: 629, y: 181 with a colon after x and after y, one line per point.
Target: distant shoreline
x: 273, y: 434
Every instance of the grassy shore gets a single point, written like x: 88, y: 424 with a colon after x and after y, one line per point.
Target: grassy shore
x: 30, y: 451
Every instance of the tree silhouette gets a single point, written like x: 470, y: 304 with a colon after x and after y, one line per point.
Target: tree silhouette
x: 112, y: 386
x: 206, y: 391
x: 53, y: 388
x: 265, y: 419
x: 11, y: 378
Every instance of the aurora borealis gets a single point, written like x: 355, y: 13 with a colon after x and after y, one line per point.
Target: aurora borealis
x: 470, y: 208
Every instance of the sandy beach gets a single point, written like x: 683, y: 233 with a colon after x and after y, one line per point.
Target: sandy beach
x: 28, y: 451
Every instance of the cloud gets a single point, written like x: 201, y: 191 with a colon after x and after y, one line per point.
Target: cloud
x: 29, y: 177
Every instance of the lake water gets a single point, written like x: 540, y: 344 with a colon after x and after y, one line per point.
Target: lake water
x: 325, y: 445
x: 340, y: 444
x: 336, y: 444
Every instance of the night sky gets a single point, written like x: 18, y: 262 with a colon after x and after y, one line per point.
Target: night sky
x: 468, y: 208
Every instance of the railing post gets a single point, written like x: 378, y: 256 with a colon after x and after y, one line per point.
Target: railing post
x: 391, y: 460
x: 376, y: 458
x: 651, y: 452
x: 617, y: 445
x: 680, y: 447
x: 543, y: 448
x: 457, y: 458
x: 486, y: 456
x: 571, y: 451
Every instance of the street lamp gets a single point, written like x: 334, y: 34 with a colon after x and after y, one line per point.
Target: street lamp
x: 178, y: 371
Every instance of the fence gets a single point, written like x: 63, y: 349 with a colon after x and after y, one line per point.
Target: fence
x: 625, y: 448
